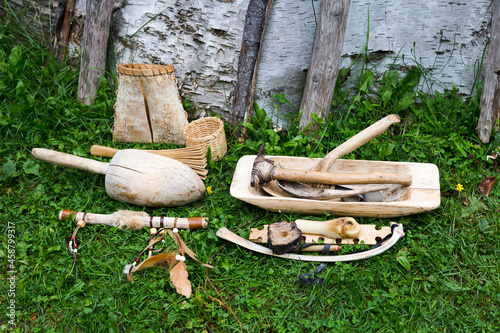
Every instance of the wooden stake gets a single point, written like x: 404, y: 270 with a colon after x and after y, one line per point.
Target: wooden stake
x: 62, y: 26
x: 253, y: 36
x: 325, y: 61
x: 490, y: 96
x: 94, y: 46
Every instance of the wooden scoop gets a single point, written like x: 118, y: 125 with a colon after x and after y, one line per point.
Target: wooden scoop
x: 137, y: 177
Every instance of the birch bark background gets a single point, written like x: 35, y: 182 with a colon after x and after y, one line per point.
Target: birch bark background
x: 202, y: 39
x: 446, y: 37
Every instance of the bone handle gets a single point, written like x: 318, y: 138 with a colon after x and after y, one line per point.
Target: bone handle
x: 357, y: 141
x: 335, y: 229
x: 329, y: 178
x: 71, y: 161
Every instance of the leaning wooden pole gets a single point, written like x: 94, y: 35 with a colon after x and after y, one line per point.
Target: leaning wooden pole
x: 490, y: 96
x: 325, y: 61
x: 253, y: 36
x: 62, y: 27
x: 94, y: 46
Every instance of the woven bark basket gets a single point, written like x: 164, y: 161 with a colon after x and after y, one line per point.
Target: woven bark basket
x: 148, y: 106
x: 206, y: 132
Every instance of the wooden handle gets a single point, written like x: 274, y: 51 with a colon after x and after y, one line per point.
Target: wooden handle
x: 192, y: 157
x: 136, y: 220
x: 70, y: 161
x: 329, y: 178
x: 185, y: 153
x: 357, y: 141
x: 103, y: 151
x: 344, y: 227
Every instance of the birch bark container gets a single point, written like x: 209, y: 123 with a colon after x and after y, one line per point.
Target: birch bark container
x: 148, y: 106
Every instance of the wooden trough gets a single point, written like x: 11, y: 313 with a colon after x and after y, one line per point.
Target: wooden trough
x: 397, y: 200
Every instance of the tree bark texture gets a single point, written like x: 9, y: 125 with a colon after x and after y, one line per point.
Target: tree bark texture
x: 253, y: 34
x: 325, y: 60
x: 203, y: 38
x: 94, y: 47
x: 490, y: 96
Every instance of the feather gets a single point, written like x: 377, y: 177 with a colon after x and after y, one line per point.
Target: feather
x: 126, y: 269
x: 179, y: 278
x: 162, y: 260
x: 127, y: 219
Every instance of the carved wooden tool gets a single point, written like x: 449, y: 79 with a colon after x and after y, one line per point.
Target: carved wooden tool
x: 137, y: 177
x: 397, y: 233
x: 126, y: 219
x: 284, y: 237
x: 326, y: 163
x: 264, y: 171
x: 368, y: 233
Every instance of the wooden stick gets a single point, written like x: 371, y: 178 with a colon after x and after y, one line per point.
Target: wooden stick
x: 357, y: 141
x: 490, y: 96
x: 253, y: 36
x: 94, y: 46
x: 195, y: 158
x: 325, y: 61
x: 62, y: 26
x: 126, y: 219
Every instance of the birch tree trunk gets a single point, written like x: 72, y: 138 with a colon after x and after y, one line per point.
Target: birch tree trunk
x: 325, y: 61
x: 94, y: 46
x: 490, y: 96
x: 203, y: 38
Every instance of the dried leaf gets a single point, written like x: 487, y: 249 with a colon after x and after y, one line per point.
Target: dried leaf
x: 179, y: 278
x: 162, y: 260
x: 486, y: 185
x: 184, y: 249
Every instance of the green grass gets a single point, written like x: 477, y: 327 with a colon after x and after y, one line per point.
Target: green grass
x: 442, y: 276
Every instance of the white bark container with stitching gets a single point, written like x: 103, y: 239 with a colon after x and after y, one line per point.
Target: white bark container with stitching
x: 148, y: 106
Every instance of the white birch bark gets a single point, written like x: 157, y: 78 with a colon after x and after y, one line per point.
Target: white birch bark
x: 202, y: 39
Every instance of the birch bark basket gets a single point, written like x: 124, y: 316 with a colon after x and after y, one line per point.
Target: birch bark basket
x: 148, y: 107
